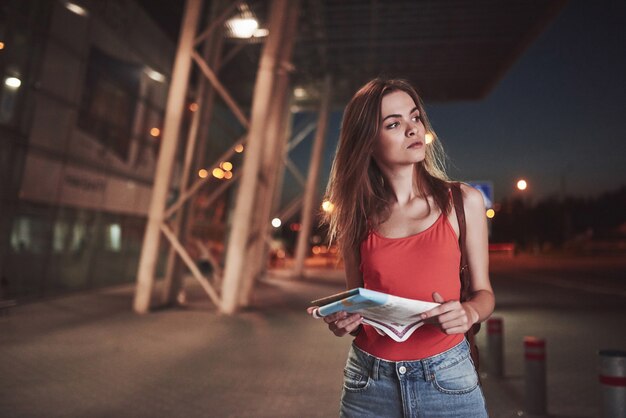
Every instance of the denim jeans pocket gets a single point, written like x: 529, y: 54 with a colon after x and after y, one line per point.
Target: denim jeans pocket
x: 456, y: 379
x: 355, y: 376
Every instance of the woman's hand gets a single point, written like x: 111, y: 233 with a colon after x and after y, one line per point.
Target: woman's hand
x: 452, y: 317
x: 340, y: 323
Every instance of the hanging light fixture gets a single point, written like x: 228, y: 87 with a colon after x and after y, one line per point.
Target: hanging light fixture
x: 244, y: 25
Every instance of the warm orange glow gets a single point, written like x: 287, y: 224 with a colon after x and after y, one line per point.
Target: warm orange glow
x: 428, y: 138
x: 522, y: 185
x: 228, y: 175
x: 218, y: 173
x: 1, y: 45
x: 226, y: 165
x: 316, y: 250
x: 327, y: 206
x: 239, y: 148
x: 280, y: 254
x: 193, y: 107
x: 202, y: 173
x: 155, y: 132
x: 294, y: 226
x: 490, y: 213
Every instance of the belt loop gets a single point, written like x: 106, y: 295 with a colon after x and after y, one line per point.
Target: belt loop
x: 375, y: 368
x: 426, y: 370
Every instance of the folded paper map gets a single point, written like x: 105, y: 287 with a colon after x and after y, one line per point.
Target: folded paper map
x: 390, y: 315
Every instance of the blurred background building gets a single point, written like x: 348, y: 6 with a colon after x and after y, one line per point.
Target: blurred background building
x: 82, y: 105
x: 82, y: 99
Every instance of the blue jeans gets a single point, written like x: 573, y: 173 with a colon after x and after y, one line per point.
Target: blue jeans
x: 444, y: 385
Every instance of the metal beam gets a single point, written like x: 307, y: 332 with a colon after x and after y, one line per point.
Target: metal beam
x: 291, y: 208
x: 184, y: 255
x: 171, y: 128
x: 310, y: 193
x: 198, y: 183
x: 276, y: 141
x: 211, y: 50
x: 220, y: 20
x: 237, y: 252
x: 228, y: 99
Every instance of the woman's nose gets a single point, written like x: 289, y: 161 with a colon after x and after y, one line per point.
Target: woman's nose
x: 412, y: 129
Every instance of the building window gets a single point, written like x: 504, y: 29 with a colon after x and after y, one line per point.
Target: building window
x: 114, y: 238
x: 109, y: 100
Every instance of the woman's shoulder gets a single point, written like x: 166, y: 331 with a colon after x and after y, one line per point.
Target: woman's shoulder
x: 472, y: 198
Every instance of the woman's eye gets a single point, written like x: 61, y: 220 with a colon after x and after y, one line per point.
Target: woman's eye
x: 417, y: 117
x: 392, y: 125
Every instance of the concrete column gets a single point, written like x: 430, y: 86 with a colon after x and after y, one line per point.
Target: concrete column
x: 268, y: 173
x: 238, y: 250
x: 309, y: 204
x: 260, y: 224
x: 167, y: 152
x: 196, y: 143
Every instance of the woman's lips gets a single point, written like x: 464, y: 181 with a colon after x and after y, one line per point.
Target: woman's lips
x: 416, y: 144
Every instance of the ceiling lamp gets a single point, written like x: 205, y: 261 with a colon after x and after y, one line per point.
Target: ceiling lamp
x: 244, y: 25
x: 76, y: 9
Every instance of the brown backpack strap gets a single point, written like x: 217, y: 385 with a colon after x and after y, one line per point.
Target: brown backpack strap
x: 457, y: 200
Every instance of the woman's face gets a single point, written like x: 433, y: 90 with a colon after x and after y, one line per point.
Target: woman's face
x: 400, y: 140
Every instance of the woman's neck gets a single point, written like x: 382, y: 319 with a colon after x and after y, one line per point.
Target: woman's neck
x: 403, y: 183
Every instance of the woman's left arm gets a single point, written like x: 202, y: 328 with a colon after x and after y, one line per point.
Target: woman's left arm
x: 454, y: 317
x: 482, y: 301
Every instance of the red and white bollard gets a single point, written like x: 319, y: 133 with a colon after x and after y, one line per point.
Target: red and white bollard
x: 535, y: 375
x: 495, y: 357
x: 613, y: 380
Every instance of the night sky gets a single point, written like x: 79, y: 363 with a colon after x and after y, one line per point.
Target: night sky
x: 557, y: 118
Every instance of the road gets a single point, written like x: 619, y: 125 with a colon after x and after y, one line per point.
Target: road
x: 88, y: 354
x: 578, y: 304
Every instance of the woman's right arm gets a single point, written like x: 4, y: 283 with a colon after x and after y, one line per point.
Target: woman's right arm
x: 342, y: 323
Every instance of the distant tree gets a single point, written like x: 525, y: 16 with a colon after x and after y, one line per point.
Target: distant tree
x: 554, y: 221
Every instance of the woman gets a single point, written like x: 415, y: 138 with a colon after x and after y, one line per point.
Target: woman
x: 398, y: 232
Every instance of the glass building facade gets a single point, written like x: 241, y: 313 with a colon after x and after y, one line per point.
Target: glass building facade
x: 78, y: 111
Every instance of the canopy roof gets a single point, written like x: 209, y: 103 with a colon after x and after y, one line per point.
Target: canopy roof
x: 449, y: 49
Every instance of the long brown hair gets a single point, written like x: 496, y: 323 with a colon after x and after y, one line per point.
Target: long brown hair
x: 361, y: 198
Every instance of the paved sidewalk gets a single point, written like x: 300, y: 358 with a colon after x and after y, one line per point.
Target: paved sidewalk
x: 89, y: 355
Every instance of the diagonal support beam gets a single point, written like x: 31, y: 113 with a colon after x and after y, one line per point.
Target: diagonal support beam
x: 291, y: 208
x: 207, y: 254
x: 198, y: 183
x: 221, y: 90
x: 294, y: 170
x: 217, y: 22
x: 310, y: 127
x: 195, y: 271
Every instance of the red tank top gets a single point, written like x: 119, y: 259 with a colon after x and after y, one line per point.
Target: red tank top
x: 412, y: 267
